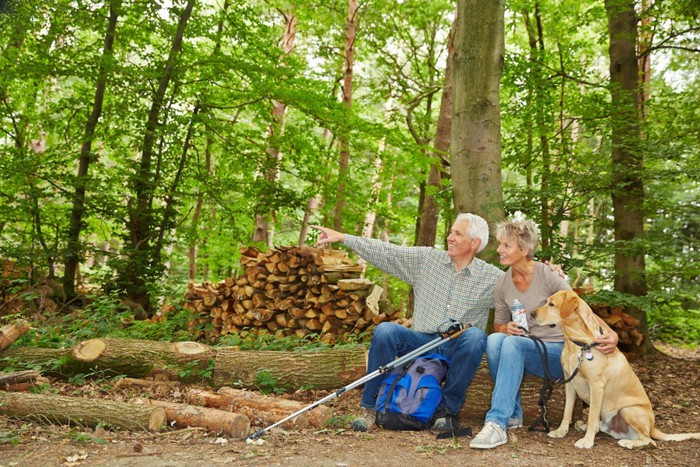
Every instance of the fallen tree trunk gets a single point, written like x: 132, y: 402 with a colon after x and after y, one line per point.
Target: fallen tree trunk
x: 141, y: 358
x: 232, y: 424
x: 35, y: 356
x: 325, y: 369
x: 160, y: 387
x: 261, y: 409
x: 50, y: 408
x: 16, y: 377
x: 12, y: 332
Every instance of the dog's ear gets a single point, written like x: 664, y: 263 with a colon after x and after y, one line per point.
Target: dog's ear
x: 569, y: 304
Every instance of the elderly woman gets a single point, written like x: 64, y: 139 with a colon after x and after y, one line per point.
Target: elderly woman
x: 509, y: 353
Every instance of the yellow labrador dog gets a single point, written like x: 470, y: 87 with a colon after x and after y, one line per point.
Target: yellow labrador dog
x: 618, y: 404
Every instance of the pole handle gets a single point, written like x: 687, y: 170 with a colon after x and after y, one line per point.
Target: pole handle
x: 454, y: 334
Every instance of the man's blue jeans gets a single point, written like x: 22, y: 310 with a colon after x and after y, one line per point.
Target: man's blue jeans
x: 509, y: 358
x: 391, y: 340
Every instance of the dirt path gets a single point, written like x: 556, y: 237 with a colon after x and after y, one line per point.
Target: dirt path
x: 673, y: 384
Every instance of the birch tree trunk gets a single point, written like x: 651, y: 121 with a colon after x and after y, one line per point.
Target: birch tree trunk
x: 476, y: 121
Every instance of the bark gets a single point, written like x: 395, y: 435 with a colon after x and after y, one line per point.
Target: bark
x: 262, y: 409
x: 326, y: 369
x: 142, y: 263
x: 50, y: 408
x: 15, y: 377
x: 141, y: 358
x: 11, y: 332
x: 73, y: 245
x: 344, y: 160
x: 475, y: 135
x: 36, y: 355
x: 218, y: 421
x: 430, y: 209
x: 264, y: 230
x: 627, y: 161
x: 539, y: 97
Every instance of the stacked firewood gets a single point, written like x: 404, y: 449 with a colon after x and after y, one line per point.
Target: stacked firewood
x: 624, y: 324
x: 290, y: 291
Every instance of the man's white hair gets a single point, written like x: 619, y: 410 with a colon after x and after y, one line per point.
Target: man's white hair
x: 477, y: 227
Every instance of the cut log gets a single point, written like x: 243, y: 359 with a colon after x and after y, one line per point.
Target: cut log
x: 141, y: 358
x: 15, y: 377
x: 10, y: 333
x: 261, y: 409
x: 50, y: 408
x: 326, y: 369
x: 218, y: 421
x: 160, y: 387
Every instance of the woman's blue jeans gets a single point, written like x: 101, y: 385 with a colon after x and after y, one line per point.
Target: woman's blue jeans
x: 509, y: 358
x: 391, y: 340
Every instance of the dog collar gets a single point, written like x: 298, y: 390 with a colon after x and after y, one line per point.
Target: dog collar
x: 587, y: 349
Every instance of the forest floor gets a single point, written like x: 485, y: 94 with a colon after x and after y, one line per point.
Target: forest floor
x: 671, y: 378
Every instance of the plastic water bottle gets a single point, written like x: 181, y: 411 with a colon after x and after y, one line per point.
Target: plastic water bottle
x: 517, y: 309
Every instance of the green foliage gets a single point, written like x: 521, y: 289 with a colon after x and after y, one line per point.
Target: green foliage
x: 266, y: 383
x: 9, y: 437
x: 193, y: 372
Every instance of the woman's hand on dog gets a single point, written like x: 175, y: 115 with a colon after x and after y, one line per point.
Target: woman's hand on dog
x: 607, y: 341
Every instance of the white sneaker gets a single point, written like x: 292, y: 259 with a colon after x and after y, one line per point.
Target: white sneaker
x: 489, y: 437
x: 515, y: 423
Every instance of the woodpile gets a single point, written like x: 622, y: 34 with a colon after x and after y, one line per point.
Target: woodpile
x: 624, y: 324
x: 290, y: 291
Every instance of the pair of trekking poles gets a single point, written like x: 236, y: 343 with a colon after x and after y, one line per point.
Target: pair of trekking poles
x: 452, y: 333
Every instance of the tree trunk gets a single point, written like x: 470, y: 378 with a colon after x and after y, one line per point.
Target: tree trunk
x: 344, y: 161
x: 540, y: 99
x: 142, y: 264
x: 50, y: 408
x: 264, y: 230
x: 627, y: 162
x: 326, y: 369
x: 16, y: 377
x: 430, y: 209
x: 231, y: 424
x: 73, y: 245
x: 475, y: 135
x: 262, y: 409
x: 141, y: 358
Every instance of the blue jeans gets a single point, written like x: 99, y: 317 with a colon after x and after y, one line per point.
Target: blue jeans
x: 391, y: 340
x: 509, y: 358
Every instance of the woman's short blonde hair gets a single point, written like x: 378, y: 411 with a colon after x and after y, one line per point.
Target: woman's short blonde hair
x: 524, y: 232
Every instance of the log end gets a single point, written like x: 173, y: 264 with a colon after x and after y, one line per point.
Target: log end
x: 89, y: 350
x: 190, y: 348
x: 239, y: 426
x: 157, y: 419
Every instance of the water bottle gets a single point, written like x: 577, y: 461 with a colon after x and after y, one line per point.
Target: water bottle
x: 517, y: 309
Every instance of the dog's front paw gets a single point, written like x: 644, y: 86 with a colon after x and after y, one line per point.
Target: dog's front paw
x: 558, y: 433
x: 584, y: 443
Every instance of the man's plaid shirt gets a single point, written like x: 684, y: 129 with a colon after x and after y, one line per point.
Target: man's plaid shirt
x: 441, y: 294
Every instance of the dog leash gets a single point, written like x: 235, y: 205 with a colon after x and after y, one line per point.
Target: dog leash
x: 548, y: 381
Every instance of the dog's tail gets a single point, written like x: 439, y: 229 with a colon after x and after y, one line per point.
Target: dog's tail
x: 661, y: 436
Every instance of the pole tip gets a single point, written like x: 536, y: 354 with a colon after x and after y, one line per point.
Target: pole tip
x: 255, y: 435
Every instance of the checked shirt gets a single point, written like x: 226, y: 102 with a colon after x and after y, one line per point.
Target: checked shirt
x: 441, y: 294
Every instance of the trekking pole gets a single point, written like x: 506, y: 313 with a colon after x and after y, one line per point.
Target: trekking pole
x: 452, y: 333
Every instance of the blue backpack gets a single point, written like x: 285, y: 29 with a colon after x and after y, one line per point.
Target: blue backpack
x: 411, y: 393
